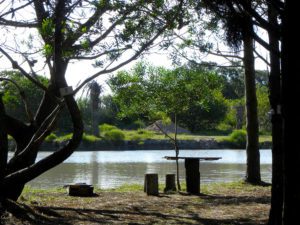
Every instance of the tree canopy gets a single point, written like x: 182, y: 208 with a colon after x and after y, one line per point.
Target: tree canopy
x: 156, y: 92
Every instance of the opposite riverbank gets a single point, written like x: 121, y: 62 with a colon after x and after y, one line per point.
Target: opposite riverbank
x: 226, y: 203
x: 205, y: 143
x: 146, y: 140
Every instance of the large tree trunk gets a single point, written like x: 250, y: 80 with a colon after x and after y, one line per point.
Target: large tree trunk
x: 13, y: 183
x: 291, y: 117
x: 3, y: 147
x: 252, y: 148
x: 275, y: 217
x: 22, y: 167
x: 25, y: 153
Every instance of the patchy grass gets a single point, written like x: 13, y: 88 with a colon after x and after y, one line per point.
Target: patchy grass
x: 229, y: 203
x: 264, y: 138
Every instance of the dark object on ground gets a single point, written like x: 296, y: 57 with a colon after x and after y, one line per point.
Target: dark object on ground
x: 192, y: 174
x: 81, y: 189
x: 170, y: 183
x: 151, y: 184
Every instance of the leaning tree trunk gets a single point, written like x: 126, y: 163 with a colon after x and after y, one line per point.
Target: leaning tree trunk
x: 25, y: 153
x: 22, y: 168
x: 275, y: 216
x: 252, y: 148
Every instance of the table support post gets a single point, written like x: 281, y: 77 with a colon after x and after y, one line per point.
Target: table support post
x: 192, y: 176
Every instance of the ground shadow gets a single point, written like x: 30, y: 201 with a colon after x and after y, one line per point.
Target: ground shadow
x: 25, y: 213
x: 135, y: 214
x: 87, y: 216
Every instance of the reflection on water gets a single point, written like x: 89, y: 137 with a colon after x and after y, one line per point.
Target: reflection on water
x: 108, y: 169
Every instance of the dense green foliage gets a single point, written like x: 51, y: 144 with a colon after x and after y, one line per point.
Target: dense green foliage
x: 132, y: 104
x: 156, y: 93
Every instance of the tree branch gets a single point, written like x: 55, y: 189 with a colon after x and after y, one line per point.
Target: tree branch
x: 105, y: 71
x: 265, y: 44
x: 264, y: 23
x: 37, y: 137
x: 165, y: 133
x: 262, y: 58
x: 15, y: 65
x: 86, y: 26
x: 100, y: 54
x: 57, y: 157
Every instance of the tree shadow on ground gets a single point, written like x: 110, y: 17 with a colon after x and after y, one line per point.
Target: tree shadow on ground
x: 228, y: 199
x: 25, y: 213
x: 87, y: 216
x: 137, y: 214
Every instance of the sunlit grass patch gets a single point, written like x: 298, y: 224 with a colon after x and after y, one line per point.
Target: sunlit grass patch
x: 232, y: 187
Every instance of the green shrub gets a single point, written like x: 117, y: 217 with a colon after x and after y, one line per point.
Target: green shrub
x: 106, y: 127
x: 135, y: 137
x: 90, y: 138
x: 51, y: 137
x: 138, y: 124
x: 238, y: 138
x: 140, y: 134
x: 114, y: 135
x: 64, y: 137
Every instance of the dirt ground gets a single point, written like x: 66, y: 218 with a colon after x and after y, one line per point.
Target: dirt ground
x: 222, y: 205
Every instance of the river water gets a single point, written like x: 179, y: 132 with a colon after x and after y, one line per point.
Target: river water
x: 109, y: 169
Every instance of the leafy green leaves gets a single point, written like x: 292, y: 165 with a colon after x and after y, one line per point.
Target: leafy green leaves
x: 158, y: 92
x: 47, y: 28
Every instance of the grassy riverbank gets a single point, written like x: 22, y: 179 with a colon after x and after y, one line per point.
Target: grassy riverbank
x: 148, y: 140
x: 229, y: 203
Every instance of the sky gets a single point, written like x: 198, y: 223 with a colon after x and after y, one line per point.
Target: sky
x: 80, y: 70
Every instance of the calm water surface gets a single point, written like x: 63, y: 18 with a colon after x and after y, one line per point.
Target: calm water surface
x: 109, y: 169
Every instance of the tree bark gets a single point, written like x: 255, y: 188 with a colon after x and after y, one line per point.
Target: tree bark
x: 22, y: 169
x: 291, y: 118
x: 23, y: 134
x: 275, y: 216
x: 3, y: 148
x: 23, y: 176
x: 176, y: 152
x: 3, y: 141
x: 252, y: 148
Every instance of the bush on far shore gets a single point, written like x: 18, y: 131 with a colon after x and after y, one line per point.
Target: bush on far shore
x: 237, y: 138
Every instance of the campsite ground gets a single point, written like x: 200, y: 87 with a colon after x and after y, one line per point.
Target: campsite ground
x: 230, y: 203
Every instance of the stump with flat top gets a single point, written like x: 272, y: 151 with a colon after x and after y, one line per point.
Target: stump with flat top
x: 151, y: 184
x: 81, y: 189
x: 170, y: 183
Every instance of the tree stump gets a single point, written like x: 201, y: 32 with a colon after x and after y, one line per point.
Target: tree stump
x: 151, y: 184
x: 192, y: 176
x: 81, y: 189
x: 170, y: 183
